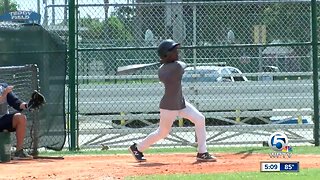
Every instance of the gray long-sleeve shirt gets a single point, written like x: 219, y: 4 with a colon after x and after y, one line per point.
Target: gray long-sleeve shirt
x: 170, y: 74
x: 11, y: 100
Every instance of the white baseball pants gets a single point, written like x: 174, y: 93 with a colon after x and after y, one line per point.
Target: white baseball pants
x: 167, y: 117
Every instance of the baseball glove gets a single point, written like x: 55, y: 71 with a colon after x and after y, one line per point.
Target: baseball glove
x: 36, y: 101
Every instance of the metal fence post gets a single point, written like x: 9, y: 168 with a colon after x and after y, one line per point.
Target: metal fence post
x: 315, y: 70
x: 72, y: 48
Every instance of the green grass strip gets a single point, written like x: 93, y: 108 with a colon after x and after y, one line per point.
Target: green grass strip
x: 301, y: 175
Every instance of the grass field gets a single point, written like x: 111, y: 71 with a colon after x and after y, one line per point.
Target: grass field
x: 302, y: 174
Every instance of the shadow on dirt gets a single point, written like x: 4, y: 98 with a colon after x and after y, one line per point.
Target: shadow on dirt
x: 247, y: 153
x: 150, y: 164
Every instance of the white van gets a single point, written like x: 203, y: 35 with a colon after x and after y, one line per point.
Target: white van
x: 213, y: 74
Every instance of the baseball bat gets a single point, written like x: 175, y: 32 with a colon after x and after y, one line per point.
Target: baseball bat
x: 47, y: 157
x: 133, y: 67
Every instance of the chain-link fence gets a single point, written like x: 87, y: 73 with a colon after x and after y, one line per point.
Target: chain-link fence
x: 253, y: 75
x: 273, y: 93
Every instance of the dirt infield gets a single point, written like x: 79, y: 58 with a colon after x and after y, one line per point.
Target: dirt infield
x: 119, y: 166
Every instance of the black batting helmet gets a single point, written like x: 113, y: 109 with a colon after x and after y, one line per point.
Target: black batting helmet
x: 166, y: 46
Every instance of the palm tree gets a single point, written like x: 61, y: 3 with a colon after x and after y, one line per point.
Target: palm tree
x: 65, y: 13
x: 7, y: 6
x: 106, y: 9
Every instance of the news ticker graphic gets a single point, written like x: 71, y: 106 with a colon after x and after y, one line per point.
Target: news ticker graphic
x: 268, y: 166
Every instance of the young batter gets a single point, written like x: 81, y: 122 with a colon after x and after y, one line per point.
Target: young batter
x: 173, y: 104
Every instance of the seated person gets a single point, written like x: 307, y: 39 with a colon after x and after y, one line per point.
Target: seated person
x: 15, y: 121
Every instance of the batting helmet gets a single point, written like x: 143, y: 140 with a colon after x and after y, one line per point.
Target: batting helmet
x: 166, y: 46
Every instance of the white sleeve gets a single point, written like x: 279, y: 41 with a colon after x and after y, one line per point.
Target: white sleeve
x: 182, y: 64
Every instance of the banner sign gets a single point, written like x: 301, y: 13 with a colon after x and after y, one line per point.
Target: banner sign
x: 21, y: 16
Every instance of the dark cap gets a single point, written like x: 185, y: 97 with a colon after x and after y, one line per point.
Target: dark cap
x: 166, y: 46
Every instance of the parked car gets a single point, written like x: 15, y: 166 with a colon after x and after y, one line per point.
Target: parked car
x: 213, y: 74
x: 217, y: 74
